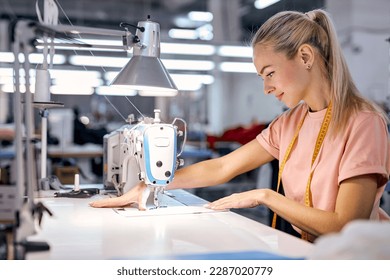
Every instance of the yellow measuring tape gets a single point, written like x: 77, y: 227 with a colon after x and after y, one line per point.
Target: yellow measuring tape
x: 320, y: 140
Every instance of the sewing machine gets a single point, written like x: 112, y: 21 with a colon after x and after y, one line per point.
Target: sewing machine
x: 145, y: 151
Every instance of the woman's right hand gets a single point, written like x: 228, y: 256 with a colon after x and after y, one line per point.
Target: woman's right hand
x: 132, y: 196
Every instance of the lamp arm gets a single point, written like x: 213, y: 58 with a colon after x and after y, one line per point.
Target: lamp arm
x: 70, y: 31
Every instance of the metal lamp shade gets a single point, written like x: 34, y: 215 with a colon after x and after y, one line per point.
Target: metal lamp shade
x: 145, y: 73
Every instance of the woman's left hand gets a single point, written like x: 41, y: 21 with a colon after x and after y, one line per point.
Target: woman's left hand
x: 247, y: 199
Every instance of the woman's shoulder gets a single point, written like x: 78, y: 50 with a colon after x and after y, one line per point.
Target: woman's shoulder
x: 367, y: 119
x: 366, y: 115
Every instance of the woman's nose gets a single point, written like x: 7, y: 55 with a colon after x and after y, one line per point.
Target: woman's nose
x: 268, y: 89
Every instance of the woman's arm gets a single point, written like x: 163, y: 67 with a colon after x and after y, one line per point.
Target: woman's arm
x: 206, y: 173
x: 221, y: 170
x: 354, y: 201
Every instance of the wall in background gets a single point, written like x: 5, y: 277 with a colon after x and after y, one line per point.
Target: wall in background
x: 363, y: 27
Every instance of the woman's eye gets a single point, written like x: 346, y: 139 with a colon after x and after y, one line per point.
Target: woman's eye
x: 270, y: 74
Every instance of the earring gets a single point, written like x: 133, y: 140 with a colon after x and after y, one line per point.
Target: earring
x: 308, y: 67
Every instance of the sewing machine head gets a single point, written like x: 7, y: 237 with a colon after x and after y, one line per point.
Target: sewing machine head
x: 146, y: 151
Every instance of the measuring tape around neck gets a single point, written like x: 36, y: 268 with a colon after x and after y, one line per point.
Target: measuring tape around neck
x: 319, y: 141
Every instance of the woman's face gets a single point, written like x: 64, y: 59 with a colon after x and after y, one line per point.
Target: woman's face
x: 287, y: 79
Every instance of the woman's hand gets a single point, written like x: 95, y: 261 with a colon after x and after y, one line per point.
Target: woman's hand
x: 247, y: 199
x: 132, y: 196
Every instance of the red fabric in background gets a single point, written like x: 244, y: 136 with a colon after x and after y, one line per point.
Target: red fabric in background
x: 240, y: 134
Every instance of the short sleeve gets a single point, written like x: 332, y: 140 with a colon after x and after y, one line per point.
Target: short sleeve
x: 366, y: 149
x: 269, y: 138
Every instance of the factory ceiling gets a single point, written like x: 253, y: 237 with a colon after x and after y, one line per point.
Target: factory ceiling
x: 109, y: 13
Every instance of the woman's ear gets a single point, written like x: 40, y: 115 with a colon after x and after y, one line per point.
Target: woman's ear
x: 306, y: 55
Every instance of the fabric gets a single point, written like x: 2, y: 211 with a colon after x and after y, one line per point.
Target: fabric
x: 358, y: 240
x: 240, y: 134
x: 361, y: 149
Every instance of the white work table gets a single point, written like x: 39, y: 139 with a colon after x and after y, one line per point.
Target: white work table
x: 77, y: 231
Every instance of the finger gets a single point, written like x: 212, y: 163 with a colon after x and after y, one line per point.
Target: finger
x: 218, y: 205
x: 111, y: 202
x: 219, y: 202
x: 142, y: 198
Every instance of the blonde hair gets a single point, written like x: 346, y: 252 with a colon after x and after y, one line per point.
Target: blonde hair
x: 287, y: 31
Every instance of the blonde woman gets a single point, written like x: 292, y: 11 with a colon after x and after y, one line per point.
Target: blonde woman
x: 332, y: 144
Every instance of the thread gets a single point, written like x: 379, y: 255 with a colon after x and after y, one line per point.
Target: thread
x: 76, y: 182
x: 42, y: 85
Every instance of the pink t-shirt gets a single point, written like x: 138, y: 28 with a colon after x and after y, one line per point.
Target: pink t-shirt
x: 361, y: 149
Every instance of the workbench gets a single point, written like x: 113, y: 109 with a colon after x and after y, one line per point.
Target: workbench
x: 78, y: 231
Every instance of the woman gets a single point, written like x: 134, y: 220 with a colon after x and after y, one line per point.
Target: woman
x: 332, y: 143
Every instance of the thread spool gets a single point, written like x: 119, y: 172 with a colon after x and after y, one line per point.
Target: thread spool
x: 42, y: 85
x: 76, y: 182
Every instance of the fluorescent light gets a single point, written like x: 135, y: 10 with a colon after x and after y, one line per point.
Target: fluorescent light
x: 189, y: 49
x: 239, y: 67
x: 35, y: 58
x: 74, y: 74
x: 235, y: 51
x: 98, y: 61
x: 200, y: 16
x: 6, y: 80
x: 191, y: 82
x: 115, y: 91
x: 78, y: 81
x: 7, y: 57
x: 159, y: 93
x: 261, y: 4
x: 196, y: 65
x: 188, y: 34
x: 76, y: 77
x: 71, y: 89
x: 9, y: 72
x: 10, y: 88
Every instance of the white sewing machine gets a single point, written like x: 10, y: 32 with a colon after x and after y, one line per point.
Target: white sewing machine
x: 146, y: 151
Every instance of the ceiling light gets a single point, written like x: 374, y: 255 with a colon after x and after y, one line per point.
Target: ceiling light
x: 7, y: 57
x: 10, y: 88
x: 71, y: 74
x: 235, y: 51
x: 190, y: 82
x: 261, y: 4
x: 72, y: 89
x: 34, y: 58
x: 153, y: 93
x: 188, y: 34
x: 239, y: 67
x: 195, y: 65
x: 115, y: 91
x: 98, y: 61
x: 200, y: 16
x: 187, y: 49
